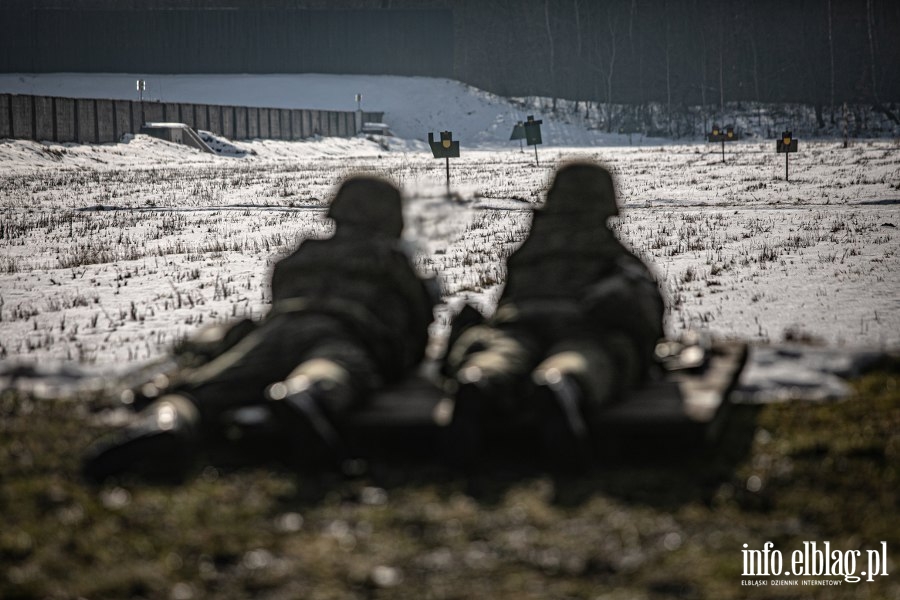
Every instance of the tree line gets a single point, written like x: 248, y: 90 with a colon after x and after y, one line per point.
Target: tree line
x: 684, y: 52
x: 675, y: 53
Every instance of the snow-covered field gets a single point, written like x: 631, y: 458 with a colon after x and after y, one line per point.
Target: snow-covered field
x: 110, y: 253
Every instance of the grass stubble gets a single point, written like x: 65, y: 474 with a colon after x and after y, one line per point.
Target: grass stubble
x: 672, y: 526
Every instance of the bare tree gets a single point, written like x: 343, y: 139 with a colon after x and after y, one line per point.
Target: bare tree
x: 552, y: 54
x: 871, y: 34
x: 703, y: 58
x: 755, y: 56
x: 873, y: 65
x: 578, y: 44
x: 640, y: 56
x: 612, y: 23
x: 831, y: 58
x: 721, y: 69
x: 668, y: 71
x: 605, y: 47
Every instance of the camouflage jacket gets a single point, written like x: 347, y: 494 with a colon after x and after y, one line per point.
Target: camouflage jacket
x: 578, y: 278
x: 370, y: 285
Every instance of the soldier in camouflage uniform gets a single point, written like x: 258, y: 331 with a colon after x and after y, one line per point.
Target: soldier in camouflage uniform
x: 574, y: 329
x: 349, y: 315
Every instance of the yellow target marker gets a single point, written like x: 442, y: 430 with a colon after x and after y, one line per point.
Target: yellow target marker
x: 786, y: 144
x: 446, y: 148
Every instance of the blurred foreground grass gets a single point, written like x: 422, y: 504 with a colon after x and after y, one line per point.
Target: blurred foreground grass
x: 673, y: 528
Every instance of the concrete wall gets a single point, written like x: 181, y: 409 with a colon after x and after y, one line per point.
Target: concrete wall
x: 21, y: 117
x: 215, y: 119
x: 84, y: 121
x: 334, y: 124
x: 274, y: 124
x: 153, y: 112
x: 202, y: 113
x: 306, y: 123
x: 228, y: 121
x: 88, y: 120
x: 240, y: 123
x: 122, y: 117
x: 136, y: 116
x: 252, y: 123
x: 65, y: 120
x: 295, y: 125
x: 169, y: 112
x: 284, y: 118
x: 106, y: 127
x: 349, y: 120
x: 264, y: 131
x: 5, y: 117
x: 187, y: 114
x: 44, y: 119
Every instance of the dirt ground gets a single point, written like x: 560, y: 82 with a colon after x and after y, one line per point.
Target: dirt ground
x: 666, y: 524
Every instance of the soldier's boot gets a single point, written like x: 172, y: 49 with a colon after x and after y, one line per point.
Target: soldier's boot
x: 201, y: 347
x: 162, y: 444
x: 482, y: 403
x: 311, y: 400
x: 212, y: 340
x: 562, y: 427
x: 464, y: 437
x: 485, y: 366
x: 467, y: 318
x: 570, y: 385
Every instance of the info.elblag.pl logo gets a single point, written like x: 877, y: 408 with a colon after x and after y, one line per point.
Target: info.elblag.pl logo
x: 814, y: 560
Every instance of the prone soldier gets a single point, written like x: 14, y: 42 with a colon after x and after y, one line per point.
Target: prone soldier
x: 574, y: 329
x: 349, y: 315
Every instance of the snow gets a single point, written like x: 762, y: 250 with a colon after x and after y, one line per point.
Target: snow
x: 412, y: 106
x: 109, y: 253
x: 800, y: 372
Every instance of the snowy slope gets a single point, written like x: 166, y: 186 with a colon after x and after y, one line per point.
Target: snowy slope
x: 413, y: 106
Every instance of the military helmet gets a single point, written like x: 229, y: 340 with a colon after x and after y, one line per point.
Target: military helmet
x: 368, y: 204
x: 582, y: 187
